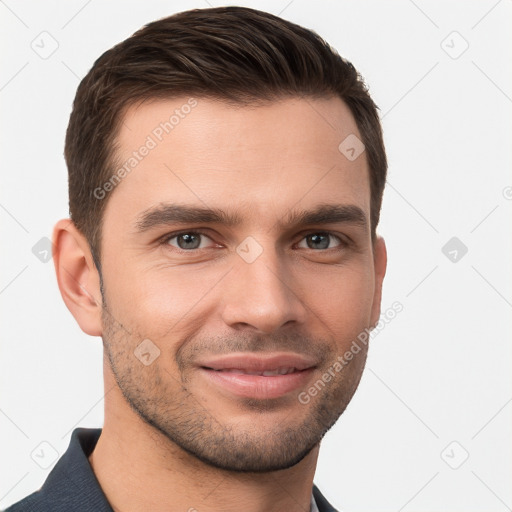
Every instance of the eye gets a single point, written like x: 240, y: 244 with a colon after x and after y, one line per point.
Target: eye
x: 196, y: 240
x: 188, y: 240
x: 321, y: 241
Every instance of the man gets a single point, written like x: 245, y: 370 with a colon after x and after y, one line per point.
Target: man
x: 226, y: 171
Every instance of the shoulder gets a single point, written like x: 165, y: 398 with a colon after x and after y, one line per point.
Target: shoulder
x: 71, y: 484
x: 34, y: 502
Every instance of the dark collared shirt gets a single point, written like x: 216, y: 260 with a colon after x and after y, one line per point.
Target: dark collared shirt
x: 72, y: 486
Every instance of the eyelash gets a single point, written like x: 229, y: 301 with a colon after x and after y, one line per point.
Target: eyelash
x: 165, y: 240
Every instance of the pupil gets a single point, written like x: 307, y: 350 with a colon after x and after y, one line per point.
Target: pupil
x: 190, y: 241
x: 317, y: 238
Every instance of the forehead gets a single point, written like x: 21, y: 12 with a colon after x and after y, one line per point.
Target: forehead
x: 259, y: 159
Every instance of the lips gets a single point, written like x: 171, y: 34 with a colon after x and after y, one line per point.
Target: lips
x: 265, y: 373
x: 262, y: 376
x: 252, y: 364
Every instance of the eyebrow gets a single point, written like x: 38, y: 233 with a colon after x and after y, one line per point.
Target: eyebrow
x: 166, y: 213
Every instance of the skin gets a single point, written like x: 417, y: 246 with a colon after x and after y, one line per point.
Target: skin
x: 172, y: 440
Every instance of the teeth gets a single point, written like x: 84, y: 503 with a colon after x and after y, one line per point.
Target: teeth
x: 266, y: 373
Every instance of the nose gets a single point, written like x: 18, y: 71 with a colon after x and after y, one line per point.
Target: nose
x: 262, y: 295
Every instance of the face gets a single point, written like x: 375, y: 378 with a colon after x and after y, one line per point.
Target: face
x: 238, y: 267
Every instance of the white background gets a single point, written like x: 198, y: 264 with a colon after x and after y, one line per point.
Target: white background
x: 439, y: 372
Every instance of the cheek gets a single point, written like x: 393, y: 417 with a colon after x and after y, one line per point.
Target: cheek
x: 343, y: 301
x: 157, y: 301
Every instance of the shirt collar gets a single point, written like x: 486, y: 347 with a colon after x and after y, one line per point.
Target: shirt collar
x: 72, y: 484
x: 313, y: 507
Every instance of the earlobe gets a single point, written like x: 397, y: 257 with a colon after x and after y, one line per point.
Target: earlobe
x: 380, y: 259
x: 77, y: 276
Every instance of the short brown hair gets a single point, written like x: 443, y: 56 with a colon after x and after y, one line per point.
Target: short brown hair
x: 236, y: 54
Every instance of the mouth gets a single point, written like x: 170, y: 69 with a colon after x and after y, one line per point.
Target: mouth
x: 261, y: 377
x: 264, y: 373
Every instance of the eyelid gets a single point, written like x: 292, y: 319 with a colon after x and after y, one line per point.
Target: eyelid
x: 169, y: 236
x: 343, y: 241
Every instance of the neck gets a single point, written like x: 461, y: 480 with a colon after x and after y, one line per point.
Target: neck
x: 140, y: 469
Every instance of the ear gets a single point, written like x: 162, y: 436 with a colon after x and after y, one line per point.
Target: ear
x: 380, y: 260
x: 77, y: 276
